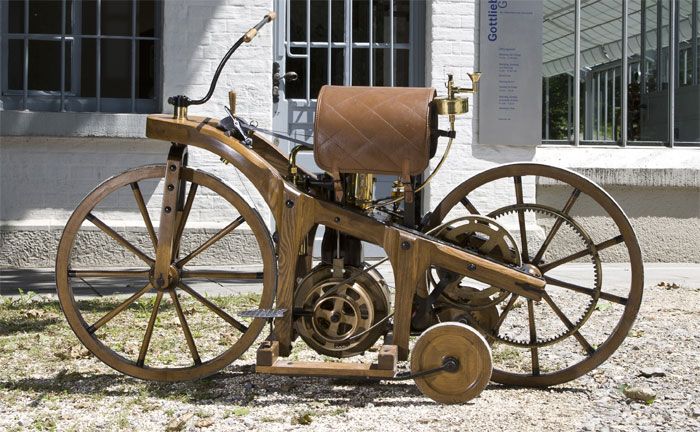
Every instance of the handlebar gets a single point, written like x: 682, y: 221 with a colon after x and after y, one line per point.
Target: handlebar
x: 182, y: 101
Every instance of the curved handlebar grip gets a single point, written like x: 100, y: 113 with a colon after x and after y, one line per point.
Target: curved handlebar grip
x: 250, y: 34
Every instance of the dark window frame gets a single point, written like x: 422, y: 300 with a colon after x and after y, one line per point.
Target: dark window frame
x: 68, y: 98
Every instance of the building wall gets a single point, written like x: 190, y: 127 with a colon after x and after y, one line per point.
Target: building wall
x: 43, y: 177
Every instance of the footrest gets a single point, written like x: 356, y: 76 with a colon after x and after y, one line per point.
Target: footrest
x: 263, y: 313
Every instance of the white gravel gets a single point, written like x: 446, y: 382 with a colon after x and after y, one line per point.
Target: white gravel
x: 39, y: 391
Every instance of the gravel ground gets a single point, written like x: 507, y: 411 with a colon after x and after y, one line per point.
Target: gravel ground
x: 48, y: 382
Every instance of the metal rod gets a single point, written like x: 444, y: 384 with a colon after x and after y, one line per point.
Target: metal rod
x: 133, y: 56
x: 577, y: 71
x: 694, y: 36
x: 546, y: 108
x: 643, y: 56
x: 348, y: 41
x: 598, y: 106
x: 614, y: 117
x: 289, y: 33
x: 98, y: 56
x: 371, y: 42
x: 605, y: 107
x: 308, y: 52
x: 25, y: 75
x: 63, y: 54
x: 659, y: 27
x: 329, y: 79
x: 673, y: 17
x: 391, y: 39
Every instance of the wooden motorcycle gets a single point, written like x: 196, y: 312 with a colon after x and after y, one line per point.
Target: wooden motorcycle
x: 467, y: 279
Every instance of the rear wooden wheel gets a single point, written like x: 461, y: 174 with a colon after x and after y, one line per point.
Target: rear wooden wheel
x: 583, y: 318
x: 188, y: 329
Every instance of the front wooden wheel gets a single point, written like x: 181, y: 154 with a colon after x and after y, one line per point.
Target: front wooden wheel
x: 460, y: 344
x: 188, y: 329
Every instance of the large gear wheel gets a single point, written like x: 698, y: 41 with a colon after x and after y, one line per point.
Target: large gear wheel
x: 513, y: 334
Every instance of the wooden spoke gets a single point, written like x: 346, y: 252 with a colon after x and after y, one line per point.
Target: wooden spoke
x: 468, y: 204
x: 533, y: 338
x: 117, y: 310
x: 221, y: 274
x: 149, y: 330
x: 582, y: 253
x: 186, y: 329
x: 555, y: 228
x: 108, y: 273
x: 138, y: 196
x: 504, y: 313
x: 521, y: 218
x: 184, y: 214
x: 214, y: 308
x: 218, y: 236
x: 569, y: 325
x: 584, y: 290
x: 121, y: 240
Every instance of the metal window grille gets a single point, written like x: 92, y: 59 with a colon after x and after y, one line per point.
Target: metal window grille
x: 74, y: 41
x: 639, y: 107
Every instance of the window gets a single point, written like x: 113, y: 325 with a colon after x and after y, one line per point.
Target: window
x: 81, y: 55
x: 587, y: 99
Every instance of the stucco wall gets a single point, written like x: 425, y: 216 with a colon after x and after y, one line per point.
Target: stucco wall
x: 42, y: 178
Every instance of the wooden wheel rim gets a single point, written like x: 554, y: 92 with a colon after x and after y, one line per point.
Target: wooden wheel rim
x: 607, y: 203
x: 106, y: 354
x: 462, y: 343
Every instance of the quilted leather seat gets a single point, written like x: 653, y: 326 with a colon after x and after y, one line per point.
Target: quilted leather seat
x: 379, y: 130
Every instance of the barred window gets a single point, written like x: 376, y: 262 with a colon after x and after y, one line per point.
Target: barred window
x: 81, y: 55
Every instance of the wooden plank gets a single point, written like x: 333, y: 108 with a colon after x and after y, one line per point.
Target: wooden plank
x: 326, y: 369
x: 410, y: 259
x: 296, y: 221
x: 267, y: 353
x: 388, y: 357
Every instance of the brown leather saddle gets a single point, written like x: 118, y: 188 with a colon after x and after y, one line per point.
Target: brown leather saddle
x: 375, y: 130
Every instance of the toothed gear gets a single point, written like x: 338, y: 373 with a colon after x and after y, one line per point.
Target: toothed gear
x: 595, y: 260
x: 487, y: 237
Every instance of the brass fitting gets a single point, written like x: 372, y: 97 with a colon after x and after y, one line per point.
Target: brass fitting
x: 180, y: 113
x: 452, y: 104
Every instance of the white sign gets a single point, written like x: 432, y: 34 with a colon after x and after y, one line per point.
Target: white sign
x: 510, y: 60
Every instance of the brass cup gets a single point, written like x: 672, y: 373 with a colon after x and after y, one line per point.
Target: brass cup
x: 447, y: 106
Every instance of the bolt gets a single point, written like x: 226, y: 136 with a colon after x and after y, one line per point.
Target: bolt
x: 405, y: 245
x: 471, y: 267
x: 336, y: 219
x: 173, y: 167
x: 171, y: 187
x: 167, y: 209
x: 289, y: 203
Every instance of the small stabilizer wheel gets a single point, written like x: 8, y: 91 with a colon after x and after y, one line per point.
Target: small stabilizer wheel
x: 467, y: 347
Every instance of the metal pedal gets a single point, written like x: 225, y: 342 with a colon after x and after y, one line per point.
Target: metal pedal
x: 263, y: 313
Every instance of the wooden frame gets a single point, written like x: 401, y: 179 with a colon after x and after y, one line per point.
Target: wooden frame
x: 295, y: 213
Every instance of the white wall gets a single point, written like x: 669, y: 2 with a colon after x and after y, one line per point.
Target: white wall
x: 43, y: 178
